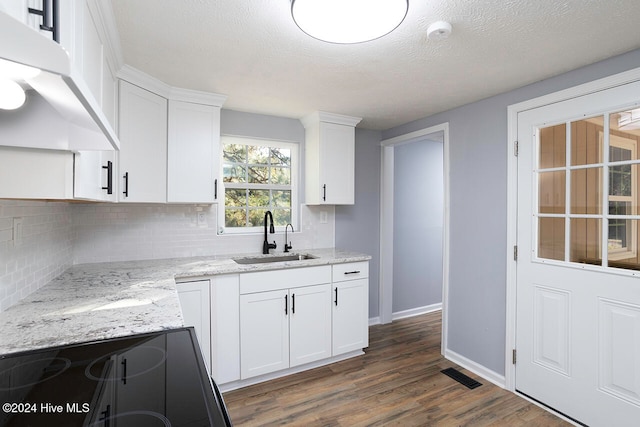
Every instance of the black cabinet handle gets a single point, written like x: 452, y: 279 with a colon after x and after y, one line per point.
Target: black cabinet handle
x: 336, y: 300
x: 324, y: 192
x: 109, y: 169
x: 49, y: 17
x: 286, y: 303
x: 215, y: 189
x: 124, y: 371
x: 352, y: 272
x: 293, y: 303
x: 106, y: 416
x: 126, y: 184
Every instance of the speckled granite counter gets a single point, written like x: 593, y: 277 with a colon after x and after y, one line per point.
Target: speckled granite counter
x: 97, y: 301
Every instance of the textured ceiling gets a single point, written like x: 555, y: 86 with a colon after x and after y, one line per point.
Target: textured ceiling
x: 252, y: 51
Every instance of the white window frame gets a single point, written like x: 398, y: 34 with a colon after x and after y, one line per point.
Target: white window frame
x: 295, y: 171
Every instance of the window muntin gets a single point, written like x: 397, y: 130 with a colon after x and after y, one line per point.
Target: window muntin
x: 584, y: 165
x: 258, y: 175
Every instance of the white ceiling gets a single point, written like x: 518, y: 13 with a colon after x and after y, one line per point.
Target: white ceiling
x: 252, y: 51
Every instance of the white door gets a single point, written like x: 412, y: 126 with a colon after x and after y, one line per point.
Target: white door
x: 264, y: 332
x: 310, y: 324
x: 350, y: 304
x: 196, y: 312
x: 578, y: 290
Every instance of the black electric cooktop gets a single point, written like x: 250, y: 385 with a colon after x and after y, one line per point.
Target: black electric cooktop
x: 157, y: 379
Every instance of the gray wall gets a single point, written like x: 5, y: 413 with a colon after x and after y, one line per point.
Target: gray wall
x: 478, y: 192
x: 358, y: 226
x: 417, y: 230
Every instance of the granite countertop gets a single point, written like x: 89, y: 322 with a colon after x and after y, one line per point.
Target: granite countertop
x: 91, y: 302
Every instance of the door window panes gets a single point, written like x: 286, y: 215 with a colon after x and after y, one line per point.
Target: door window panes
x: 598, y: 168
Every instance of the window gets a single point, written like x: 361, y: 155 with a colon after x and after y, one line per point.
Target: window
x: 258, y: 175
x: 622, y: 189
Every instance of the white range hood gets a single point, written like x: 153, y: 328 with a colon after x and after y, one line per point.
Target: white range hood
x: 60, y: 112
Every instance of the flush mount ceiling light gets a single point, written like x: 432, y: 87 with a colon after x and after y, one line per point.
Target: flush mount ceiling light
x: 348, y: 21
x: 629, y: 120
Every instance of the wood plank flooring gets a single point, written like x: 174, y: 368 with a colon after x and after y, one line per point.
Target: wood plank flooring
x: 397, y: 382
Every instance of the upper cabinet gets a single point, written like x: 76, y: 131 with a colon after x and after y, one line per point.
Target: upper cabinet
x: 193, y: 152
x: 170, y: 141
x: 143, y: 153
x: 69, y: 82
x: 330, y: 159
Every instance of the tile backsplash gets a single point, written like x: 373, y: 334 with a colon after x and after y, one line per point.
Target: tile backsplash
x: 58, y: 235
x: 44, y: 252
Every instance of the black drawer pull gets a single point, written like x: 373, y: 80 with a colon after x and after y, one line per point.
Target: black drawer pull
x: 286, y: 303
x: 352, y: 272
x: 336, y: 300
x: 126, y: 184
x: 109, y: 169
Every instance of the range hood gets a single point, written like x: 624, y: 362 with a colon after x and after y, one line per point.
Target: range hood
x: 60, y: 111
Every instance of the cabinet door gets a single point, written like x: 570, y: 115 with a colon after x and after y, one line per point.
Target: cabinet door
x: 194, y: 140
x: 94, y: 176
x: 143, y: 145
x: 196, y: 312
x: 310, y: 324
x: 337, y: 164
x: 264, y: 333
x: 350, y: 316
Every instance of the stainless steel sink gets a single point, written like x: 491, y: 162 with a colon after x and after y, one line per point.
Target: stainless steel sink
x: 276, y: 258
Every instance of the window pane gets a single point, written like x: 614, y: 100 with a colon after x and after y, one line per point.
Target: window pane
x: 235, y: 217
x: 259, y: 174
x: 282, y: 216
x: 586, y: 148
x: 282, y: 198
x: 234, y: 153
x: 551, y: 238
x: 235, y: 198
x: 620, y: 183
x: 256, y: 217
x: 586, y: 191
x: 625, y: 133
x: 586, y: 235
x: 553, y: 146
x: 259, y: 199
x: 234, y: 173
x: 622, y: 246
x: 280, y: 176
x: 552, y: 188
x: 258, y: 155
x: 281, y: 156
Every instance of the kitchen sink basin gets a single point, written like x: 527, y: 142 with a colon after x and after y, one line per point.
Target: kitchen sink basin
x: 277, y: 258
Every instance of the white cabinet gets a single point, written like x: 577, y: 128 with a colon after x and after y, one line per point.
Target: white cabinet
x: 193, y: 151
x: 284, y: 328
x: 225, y: 328
x: 196, y: 312
x: 94, y: 176
x: 143, y: 151
x: 350, y: 307
x: 330, y: 159
x: 285, y: 319
x: 27, y: 173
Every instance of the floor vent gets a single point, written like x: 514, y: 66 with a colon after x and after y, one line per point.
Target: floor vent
x: 461, y: 378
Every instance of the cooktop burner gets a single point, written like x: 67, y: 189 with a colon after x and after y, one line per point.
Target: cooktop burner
x: 156, y: 379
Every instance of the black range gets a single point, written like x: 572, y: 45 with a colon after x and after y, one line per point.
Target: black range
x: 156, y: 379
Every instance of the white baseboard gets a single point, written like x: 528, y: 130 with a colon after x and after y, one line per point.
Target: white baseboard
x: 374, y: 320
x: 416, y: 311
x: 476, y: 368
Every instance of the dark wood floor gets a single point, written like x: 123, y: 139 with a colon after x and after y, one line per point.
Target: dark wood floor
x: 397, y: 382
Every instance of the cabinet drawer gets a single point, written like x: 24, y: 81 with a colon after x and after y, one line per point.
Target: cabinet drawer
x: 350, y: 271
x: 262, y: 281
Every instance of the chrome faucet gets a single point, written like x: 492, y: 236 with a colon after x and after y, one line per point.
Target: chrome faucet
x: 287, y: 246
x: 266, y: 245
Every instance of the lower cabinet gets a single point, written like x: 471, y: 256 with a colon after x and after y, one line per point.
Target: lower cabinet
x: 350, y: 307
x: 284, y: 328
x: 194, y: 302
x: 256, y: 323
